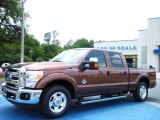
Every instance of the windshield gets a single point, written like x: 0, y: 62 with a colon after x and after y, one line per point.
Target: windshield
x: 70, y: 56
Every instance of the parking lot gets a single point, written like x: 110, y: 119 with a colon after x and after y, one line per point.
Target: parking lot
x: 123, y: 109
x: 111, y: 110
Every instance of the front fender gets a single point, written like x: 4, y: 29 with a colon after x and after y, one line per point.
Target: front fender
x: 56, y: 76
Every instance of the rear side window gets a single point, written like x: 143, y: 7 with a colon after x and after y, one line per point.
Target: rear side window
x: 99, y: 55
x: 116, y: 60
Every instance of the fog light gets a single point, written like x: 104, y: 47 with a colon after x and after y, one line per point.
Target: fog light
x: 25, y: 96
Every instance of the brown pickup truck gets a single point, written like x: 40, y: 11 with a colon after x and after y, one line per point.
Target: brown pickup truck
x: 80, y: 75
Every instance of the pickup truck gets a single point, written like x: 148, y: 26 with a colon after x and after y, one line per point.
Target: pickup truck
x: 82, y: 75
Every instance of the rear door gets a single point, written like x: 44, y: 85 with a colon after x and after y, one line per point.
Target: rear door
x: 119, y: 76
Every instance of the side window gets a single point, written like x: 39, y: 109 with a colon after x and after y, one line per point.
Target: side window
x: 99, y: 55
x: 116, y: 60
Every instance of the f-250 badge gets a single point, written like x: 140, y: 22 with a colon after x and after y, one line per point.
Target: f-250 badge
x: 84, y: 81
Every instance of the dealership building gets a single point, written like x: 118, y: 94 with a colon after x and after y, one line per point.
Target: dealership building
x: 138, y: 52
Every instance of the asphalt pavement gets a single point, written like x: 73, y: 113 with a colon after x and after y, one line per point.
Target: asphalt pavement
x: 153, y: 94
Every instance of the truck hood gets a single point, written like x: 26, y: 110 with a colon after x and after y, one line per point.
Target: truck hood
x: 48, y: 66
x: 19, y: 65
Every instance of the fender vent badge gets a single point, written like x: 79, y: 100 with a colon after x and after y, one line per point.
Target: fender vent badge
x: 84, y: 81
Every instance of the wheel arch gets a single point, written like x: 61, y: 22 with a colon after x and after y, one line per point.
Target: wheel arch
x: 63, y: 83
x: 59, y: 79
x: 145, y: 80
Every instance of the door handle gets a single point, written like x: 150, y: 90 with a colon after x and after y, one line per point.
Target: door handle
x: 125, y: 72
x: 108, y: 74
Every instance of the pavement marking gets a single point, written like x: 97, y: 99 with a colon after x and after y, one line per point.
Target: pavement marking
x: 110, y: 110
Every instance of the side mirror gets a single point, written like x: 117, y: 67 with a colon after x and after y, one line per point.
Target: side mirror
x: 92, y: 64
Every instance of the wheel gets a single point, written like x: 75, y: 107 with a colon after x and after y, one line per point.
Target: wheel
x: 55, y: 101
x: 141, y: 93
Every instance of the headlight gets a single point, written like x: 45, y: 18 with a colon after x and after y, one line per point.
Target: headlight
x: 32, y: 78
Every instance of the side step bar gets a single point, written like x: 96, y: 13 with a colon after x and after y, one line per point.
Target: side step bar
x: 102, y: 100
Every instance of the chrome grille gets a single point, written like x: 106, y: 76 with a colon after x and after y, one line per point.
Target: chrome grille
x: 12, y: 78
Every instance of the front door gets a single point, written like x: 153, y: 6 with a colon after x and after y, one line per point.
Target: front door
x: 94, y: 81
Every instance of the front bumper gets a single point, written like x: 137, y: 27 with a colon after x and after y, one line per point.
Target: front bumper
x: 21, y: 95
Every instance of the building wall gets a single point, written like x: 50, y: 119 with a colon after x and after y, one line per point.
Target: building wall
x: 142, y: 47
x: 127, y: 47
x: 153, y: 42
x: 148, y: 41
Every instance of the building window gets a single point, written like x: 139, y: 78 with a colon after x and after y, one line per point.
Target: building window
x: 118, y: 47
x: 122, y: 48
x: 134, y: 48
x: 130, y: 47
x: 110, y: 48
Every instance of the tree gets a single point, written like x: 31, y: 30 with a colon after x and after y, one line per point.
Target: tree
x: 39, y: 59
x: 33, y: 48
x: 55, y: 40
x: 10, y: 19
x: 69, y: 44
x: 82, y: 43
x: 10, y: 34
x: 53, y: 44
x: 47, y: 37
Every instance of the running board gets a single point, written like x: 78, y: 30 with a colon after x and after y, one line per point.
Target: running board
x: 103, y: 99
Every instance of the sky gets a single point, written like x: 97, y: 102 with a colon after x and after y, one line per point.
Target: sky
x: 90, y: 19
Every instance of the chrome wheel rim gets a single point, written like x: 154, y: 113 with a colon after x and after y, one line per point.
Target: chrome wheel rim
x: 143, y: 92
x: 57, y: 102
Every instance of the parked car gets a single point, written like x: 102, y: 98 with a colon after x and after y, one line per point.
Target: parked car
x: 81, y: 75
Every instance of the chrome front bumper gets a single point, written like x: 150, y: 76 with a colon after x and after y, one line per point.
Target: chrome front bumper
x: 21, y: 96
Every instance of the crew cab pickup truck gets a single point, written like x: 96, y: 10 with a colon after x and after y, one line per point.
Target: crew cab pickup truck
x: 82, y: 75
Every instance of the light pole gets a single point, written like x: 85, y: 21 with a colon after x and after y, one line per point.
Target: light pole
x: 22, y: 34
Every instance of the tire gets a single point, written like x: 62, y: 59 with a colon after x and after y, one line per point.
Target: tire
x: 55, y: 101
x: 141, y: 93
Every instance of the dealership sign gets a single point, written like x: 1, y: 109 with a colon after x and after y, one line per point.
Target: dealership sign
x: 119, y: 47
